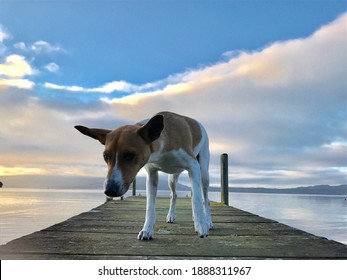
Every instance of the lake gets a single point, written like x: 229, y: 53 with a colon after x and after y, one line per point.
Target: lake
x: 23, y: 211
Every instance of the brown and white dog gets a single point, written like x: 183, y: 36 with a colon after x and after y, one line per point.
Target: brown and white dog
x: 167, y: 142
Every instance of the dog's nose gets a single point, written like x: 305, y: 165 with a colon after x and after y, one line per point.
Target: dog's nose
x: 110, y: 193
x: 114, y: 189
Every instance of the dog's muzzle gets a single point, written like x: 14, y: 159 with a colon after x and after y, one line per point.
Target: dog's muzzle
x: 114, y: 189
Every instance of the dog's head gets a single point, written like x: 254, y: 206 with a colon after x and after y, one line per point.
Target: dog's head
x: 127, y: 150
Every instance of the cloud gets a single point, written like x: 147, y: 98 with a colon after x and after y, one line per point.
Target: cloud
x: 4, y: 171
x: 18, y: 83
x: 120, y: 86
x: 115, y: 86
x: 12, y: 71
x: 280, y: 113
x: 67, y: 88
x: 278, y: 108
x: 39, y: 47
x: 15, y: 66
x: 52, y: 67
x: 107, y: 88
x: 45, y: 47
x: 20, y: 46
x: 3, y: 36
x: 39, y: 137
x: 275, y: 75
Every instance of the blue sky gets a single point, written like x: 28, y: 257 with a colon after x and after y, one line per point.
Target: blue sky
x: 265, y: 77
x: 142, y: 41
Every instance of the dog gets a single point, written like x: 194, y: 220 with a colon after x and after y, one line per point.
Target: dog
x: 167, y: 142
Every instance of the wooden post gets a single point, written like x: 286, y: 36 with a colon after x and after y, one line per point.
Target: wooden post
x: 134, y: 187
x: 224, y: 179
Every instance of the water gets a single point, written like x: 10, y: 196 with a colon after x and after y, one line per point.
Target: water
x: 321, y: 215
x: 23, y: 211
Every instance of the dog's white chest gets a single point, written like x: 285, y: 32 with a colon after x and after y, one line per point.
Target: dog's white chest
x: 169, y: 162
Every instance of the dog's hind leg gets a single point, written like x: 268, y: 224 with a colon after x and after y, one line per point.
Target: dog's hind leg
x: 203, y: 158
x: 172, y: 181
x: 205, y: 184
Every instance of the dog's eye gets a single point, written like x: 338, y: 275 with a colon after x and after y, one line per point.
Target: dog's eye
x: 129, y: 156
x: 106, y: 157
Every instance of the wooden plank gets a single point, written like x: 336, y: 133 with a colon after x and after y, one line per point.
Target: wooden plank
x: 110, y: 230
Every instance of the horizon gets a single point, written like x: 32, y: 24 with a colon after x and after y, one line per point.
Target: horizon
x: 74, y: 181
x: 267, y: 79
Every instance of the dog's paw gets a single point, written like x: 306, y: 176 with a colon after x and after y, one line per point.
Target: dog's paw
x: 170, y: 218
x: 202, y: 229
x: 144, y: 235
x: 203, y: 234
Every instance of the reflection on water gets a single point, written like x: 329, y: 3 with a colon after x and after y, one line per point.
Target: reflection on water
x: 318, y: 214
x: 23, y: 211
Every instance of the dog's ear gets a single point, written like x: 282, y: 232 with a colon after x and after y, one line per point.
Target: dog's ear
x: 96, y: 133
x: 152, y: 129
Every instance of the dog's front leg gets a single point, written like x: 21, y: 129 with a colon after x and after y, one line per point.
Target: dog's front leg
x: 199, y: 214
x: 151, y: 191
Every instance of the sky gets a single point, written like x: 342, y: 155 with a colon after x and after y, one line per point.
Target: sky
x: 267, y: 79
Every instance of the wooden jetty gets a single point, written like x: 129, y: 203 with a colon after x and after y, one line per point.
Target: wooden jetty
x: 110, y: 230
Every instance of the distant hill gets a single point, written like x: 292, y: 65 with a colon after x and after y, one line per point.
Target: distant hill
x: 78, y: 182
x: 51, y: 182
x: 162, y: 184
x: 318, y: 189
x: 73, y: 182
